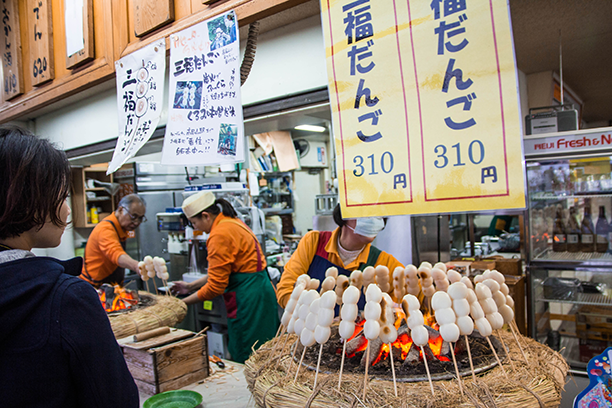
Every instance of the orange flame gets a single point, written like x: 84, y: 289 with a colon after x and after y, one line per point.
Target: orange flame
x: 403, y: 341
x: 124, y: 299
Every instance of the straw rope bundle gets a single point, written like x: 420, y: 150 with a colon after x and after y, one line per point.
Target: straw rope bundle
x: 164, y: 311
x: 537, y: 384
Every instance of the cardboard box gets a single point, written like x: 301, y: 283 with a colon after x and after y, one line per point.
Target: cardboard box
x: 594, y: 322
x: 167, y: 362
x: 591, y: 348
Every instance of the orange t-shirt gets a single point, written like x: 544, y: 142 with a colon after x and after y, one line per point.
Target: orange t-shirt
x: 103, y: 250
x: 299, y: 263
x: 231, y: 248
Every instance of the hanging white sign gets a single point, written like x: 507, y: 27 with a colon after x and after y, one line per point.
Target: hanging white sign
x: 205, y: 124
x: 140, y: 91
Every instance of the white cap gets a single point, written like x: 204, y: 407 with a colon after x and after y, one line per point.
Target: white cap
x: 195, y: 204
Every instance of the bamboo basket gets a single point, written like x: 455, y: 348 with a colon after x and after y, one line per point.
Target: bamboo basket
x: 162, y: 311
x: 535, y: 384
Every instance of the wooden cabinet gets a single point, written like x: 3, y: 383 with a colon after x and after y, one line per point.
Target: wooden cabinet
x: 88, y: 192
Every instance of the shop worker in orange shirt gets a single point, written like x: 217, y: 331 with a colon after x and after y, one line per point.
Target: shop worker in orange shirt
x: 348, y: 248
x: 236, y: 270
x: 105, y: 257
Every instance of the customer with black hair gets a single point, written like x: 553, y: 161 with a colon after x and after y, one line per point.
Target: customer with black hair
x: 348, y: 248
x: 57, y: 348
x: 236, y: 270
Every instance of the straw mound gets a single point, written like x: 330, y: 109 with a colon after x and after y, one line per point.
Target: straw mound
x: 537, y: 383
x: 163, y: 311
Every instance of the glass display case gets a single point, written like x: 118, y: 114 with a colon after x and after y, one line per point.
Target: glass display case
x: 570, y: 240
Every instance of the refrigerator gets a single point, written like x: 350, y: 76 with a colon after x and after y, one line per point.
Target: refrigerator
x: 162, y: 187
x: 569, y: 270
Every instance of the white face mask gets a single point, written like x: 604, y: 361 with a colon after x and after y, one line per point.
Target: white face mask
x: 368, y: 227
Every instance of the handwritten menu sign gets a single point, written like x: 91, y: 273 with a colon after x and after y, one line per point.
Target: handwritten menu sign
x: 140, y: 91
x: 205, y: 125
x: 12, y: 80
x: 424, y: 106
x: 40, y: 34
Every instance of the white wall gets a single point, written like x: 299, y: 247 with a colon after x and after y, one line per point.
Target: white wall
x: 288, y: 60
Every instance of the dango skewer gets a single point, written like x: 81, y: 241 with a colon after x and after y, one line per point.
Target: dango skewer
x: 492, y: 317
x: 348, y: 314
x: 459, y: 292
x: 508, y: 312
x: 414, y: 319
x: 325, y: 316
x: 500, y: 301
x: 371, y: 328
x: 309, y: 310
x: 445, y: 316
x: 388, y: 332
x: 288, y: 314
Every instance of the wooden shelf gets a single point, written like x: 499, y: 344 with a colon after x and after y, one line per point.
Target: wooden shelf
x: 80, y: 202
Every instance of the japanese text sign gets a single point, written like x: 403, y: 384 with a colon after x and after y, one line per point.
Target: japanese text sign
x: 140, y: 91
x: 40, y: 34
x: 12, y: 78
x: 205, y: 124
x: 424, y: 106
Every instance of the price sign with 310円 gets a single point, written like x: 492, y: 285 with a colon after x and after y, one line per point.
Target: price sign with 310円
x: 425, y: 106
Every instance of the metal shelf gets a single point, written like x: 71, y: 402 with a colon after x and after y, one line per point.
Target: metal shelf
x: 549, y: 255
x: 592, y: 299
x: 548, y: 259
x: 552, y: 197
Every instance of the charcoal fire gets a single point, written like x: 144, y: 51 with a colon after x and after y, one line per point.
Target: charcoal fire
x: 115, y: 298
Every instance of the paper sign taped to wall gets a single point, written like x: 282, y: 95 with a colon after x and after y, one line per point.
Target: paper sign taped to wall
x: 205, y: 123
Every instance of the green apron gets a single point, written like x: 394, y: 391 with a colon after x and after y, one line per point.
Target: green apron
x: 252, y: 313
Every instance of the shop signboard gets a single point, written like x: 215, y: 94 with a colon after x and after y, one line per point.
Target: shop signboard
x: 205, y: 124
x: 140, y: 91
x: 577, y: 141
x: 424, y: 102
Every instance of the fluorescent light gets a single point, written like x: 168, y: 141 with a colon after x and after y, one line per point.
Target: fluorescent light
x: 311, y: 128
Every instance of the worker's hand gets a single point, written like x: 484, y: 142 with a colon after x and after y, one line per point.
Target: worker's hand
x: 181, y: 288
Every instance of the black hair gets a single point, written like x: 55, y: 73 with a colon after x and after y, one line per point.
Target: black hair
x: 221, y: 205
x: 34, y: 181
x: 337, y: 214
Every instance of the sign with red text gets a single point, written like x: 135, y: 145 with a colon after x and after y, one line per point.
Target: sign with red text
x: 205, y: 125
x: 568, y: 142
x: 424, y: 105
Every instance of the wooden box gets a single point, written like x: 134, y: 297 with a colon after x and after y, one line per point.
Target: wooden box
x: 508, y: 266
x: 167, y: 362
x: 516, y: 285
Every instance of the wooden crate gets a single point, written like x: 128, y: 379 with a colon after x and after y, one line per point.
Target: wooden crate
x: 166, y: 362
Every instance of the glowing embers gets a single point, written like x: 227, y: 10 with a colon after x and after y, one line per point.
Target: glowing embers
x: 115, y: 298
x: 408, y: 355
